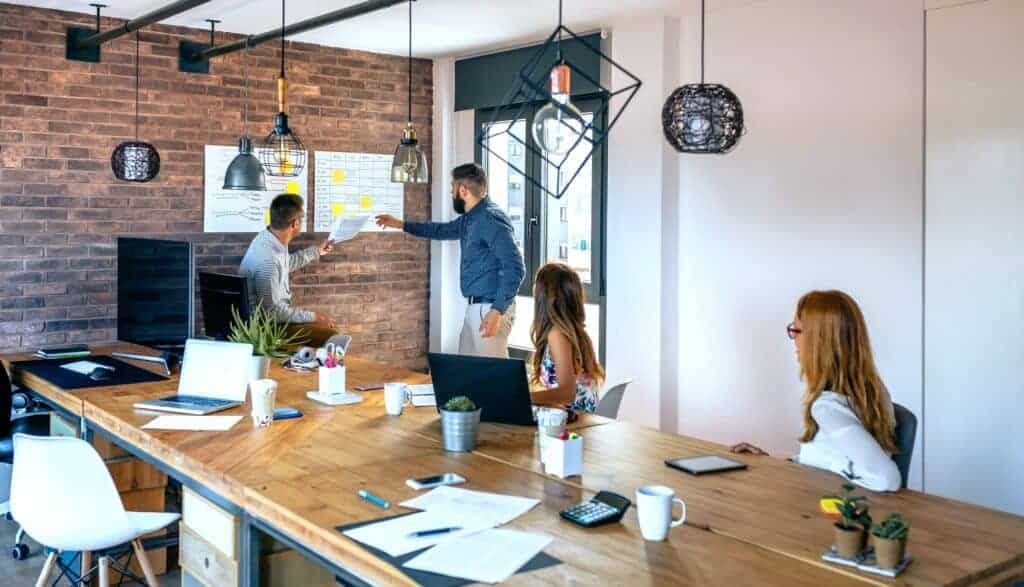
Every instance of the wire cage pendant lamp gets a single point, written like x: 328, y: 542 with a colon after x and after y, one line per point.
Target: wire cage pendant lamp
x: 410, y: 162
x: 245, y: 171
x: 561, y: 138
x: 135, y: 161
x: 703, y: 118
x: 282, y: 152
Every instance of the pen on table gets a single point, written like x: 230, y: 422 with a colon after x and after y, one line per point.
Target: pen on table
x: 434, y: 532
x: 373, y: 499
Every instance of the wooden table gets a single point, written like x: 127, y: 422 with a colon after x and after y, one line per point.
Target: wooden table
x: 297, y: 480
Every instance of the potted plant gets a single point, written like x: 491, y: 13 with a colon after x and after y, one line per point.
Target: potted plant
x: 460, y: 421
x: 890, y: 537
x: 268, y: 337
x: 854, y: 522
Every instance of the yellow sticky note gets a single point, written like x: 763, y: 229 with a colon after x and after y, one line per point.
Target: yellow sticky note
x: 266, y: 216
x: 338, y: 176
x: 292, y: 187
x: 366, y: 202
x: 286, y: 166
x: 337, y: 210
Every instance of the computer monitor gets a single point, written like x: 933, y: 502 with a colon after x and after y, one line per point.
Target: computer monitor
x: 219, y: 293
x: 155, y: 292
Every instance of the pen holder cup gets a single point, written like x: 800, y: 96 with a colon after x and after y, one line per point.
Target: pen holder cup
x: 562, y: 458
x: 332, y: 381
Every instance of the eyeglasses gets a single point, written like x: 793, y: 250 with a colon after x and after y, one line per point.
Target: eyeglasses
x: 792, y: 331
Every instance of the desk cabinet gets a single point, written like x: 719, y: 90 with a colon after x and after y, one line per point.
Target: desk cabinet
x: 208, y: 546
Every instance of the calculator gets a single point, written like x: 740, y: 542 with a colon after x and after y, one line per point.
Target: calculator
x: 605, y: 507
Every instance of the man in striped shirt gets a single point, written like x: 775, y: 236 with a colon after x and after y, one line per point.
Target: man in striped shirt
x: 267, y: 263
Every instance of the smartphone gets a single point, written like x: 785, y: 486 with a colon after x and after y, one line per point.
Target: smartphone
x: 369, y: 387
x: 435, y: 481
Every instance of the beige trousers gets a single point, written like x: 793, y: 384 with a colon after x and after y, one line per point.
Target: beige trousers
x: 472, y: 343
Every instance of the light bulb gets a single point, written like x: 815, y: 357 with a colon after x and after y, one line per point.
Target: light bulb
x: 559, y: 123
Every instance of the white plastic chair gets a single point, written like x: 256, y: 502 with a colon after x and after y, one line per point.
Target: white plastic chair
x: 64, y: 498
x: 611, y: 400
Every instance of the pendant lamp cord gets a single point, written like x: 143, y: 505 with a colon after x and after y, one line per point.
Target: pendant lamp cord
x: 702, y: 42
x: 282, y: 38
x: 558, y: 57
x: 245, y: 98
x: 136, y: 85
x: 410, y: 61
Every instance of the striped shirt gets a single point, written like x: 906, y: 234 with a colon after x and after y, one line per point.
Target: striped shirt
x: 266, y: 266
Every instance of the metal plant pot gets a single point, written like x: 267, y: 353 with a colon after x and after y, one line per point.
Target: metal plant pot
x: 459, y: 430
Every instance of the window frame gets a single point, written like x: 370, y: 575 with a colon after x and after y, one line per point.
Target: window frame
x: 535, y: 224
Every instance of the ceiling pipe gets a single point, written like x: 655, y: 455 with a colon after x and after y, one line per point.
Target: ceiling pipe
x: 165, y: 12
x: 295, y: 28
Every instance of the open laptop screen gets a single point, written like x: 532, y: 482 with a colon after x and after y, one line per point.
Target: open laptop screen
x: 215, y: 369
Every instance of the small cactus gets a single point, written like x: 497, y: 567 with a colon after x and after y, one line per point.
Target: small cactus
x: 893, y: 527
x: 460, y: 404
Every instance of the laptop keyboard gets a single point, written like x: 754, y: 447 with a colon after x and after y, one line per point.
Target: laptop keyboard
x: 195, y: 400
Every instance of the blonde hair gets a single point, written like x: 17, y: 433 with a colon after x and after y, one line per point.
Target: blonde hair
x: 558, y: 303
x: 836, y: 356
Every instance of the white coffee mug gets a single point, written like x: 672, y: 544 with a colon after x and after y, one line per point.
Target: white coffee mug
x: 396, y: 397
x: 261, y: 394
x: 654, y: 511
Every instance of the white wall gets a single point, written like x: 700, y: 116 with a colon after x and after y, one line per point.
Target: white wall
x: 824, y: 191
x: 975, y: 257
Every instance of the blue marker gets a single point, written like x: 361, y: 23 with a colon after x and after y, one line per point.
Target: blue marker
x: 373, y: 499
x: 435, y: 532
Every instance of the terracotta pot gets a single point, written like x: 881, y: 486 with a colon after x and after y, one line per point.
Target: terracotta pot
x: 889, y: 553
x: 850, y: 543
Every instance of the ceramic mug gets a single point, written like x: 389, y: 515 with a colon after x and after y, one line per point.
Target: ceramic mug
x: 262, y: 393
x: 654, y: 511
x: 396, y: 397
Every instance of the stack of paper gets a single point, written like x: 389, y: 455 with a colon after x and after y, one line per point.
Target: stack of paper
x: 214, y: 423
x: 477, y: 551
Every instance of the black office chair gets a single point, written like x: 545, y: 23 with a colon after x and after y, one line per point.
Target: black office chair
x: 29, y: 421
x: 906, y: 430
x: 218, y: 293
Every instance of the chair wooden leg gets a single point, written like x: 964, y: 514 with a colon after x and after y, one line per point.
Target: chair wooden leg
x: 44, y: 575
x: 104, y: 571
x: 147, y: 569
x: 86, y: 565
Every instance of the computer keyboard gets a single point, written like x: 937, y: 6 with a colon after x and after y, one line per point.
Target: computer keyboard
x: 195, y: 400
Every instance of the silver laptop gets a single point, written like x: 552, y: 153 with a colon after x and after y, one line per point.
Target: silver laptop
x: 214, y: 377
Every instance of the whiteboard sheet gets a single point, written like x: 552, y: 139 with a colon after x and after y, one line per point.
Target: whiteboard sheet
x: 241, y: 211
x: 355, y: 184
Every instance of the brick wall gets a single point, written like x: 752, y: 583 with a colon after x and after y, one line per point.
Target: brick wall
x: 61, y: 208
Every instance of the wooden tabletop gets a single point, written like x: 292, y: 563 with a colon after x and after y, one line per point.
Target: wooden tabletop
x: 756, y: 526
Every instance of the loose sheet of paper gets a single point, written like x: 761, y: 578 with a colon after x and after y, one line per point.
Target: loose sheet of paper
x: 345, y: 228
x: 491, y: 556
x: 214, y: 423
x: 393, y: 535
x: 84, y: 367
x: 478, y: 505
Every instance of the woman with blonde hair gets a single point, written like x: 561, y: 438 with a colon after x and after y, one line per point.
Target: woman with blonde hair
x: 563, y: 361
x: 849, y: 423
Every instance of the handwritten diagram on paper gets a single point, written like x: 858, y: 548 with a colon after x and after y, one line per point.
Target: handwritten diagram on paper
x: 240, y: 211
x: 355, y: 184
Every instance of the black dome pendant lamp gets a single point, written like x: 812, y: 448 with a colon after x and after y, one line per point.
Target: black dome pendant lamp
x: 282, y: 152
x: 410, y: 163
x: 703, y: 118
x: 245, y: 171
x: 136, y: 160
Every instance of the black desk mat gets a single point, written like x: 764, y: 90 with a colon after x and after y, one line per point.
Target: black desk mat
x: 50, y: 370
x: 541, y: 561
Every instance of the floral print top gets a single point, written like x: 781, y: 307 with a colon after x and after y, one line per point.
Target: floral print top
x: 586, y: 387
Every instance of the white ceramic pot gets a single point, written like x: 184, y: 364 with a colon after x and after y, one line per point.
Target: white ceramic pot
x: 259, y: 367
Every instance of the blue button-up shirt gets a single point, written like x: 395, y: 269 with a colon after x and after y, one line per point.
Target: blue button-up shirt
x: 492, y: 266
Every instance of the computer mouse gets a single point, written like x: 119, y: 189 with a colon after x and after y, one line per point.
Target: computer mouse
x: 101, y: 374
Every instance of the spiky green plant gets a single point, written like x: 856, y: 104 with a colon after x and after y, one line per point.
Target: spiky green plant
x: 893, y: 527
x: 460, y: 404
x: 268, y: 337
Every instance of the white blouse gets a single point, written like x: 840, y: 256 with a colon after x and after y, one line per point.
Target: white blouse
x: 842, y: 440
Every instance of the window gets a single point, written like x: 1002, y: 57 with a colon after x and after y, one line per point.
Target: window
x: 567, y: 230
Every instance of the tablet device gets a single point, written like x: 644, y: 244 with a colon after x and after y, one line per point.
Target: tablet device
x: 704, y: 464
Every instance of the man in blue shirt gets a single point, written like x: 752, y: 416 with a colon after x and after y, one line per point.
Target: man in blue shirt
x: 492, y: 266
